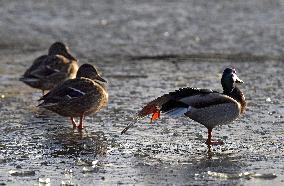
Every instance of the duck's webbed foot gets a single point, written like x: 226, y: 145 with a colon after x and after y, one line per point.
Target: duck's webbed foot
x: 214, y: 142
x: 209, y: 142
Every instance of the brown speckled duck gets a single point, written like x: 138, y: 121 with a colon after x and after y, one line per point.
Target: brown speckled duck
x: 205, y: 106
x: 49, y: 70
x: 78, y: 97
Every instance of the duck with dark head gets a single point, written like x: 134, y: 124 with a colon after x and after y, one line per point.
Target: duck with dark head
x: 205, y: 106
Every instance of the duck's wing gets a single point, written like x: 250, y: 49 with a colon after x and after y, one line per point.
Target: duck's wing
x: 181, y: 101
x: 171, y: 100
x: 68, y: 90
x: 54, y: 67
x: 37, y: 64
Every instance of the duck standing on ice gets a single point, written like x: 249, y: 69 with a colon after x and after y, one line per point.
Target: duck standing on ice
x: 205, y: 106
x: 84, y: 95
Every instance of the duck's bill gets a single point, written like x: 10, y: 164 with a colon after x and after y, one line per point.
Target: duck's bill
x: 101, y: 79
x: 71, y: 57
x: 126, y: 128
x: 237, y: 79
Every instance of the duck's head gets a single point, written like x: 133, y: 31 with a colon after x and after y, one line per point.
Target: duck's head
x: 229, y: 78
x: 59, y: 48
x: 89, y: 71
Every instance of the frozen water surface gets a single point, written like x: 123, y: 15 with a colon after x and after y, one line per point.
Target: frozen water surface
x: 144, y: 49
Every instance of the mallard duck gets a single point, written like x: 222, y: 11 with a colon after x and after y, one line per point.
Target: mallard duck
x: 49, y: 70
x: 205, y: 106
x: 77, y: 97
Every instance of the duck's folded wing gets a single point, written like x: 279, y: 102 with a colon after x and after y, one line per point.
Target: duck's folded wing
x: 180, y: 101
x: 37, y: 64
x: 205, y: 101
x: 52, y: 66
x: 68, y: 90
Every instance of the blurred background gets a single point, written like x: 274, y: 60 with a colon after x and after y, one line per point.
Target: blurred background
x: 144, y: 49
x: 123, y: 28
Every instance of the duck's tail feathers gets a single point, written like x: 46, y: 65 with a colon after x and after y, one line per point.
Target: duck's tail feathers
x: 154, y: 108
x: 130, y: 125
x: 148, y: 109
x: 29, y: 80
x: 46, y: 105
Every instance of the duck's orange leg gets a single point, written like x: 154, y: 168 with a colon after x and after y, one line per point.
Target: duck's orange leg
x: 73, y: 122
x: 209, y: 142
x: 156, y: 115
x: 80, y: 126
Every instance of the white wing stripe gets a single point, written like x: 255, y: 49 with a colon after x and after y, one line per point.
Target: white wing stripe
x: 30, y: 79
x: 177, y: 112
x: 81, y: 92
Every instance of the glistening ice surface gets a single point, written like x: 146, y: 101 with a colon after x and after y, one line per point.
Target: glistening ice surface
x: 144, y: 49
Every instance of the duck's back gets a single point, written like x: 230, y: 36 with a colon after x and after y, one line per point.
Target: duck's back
x: 173, y: 99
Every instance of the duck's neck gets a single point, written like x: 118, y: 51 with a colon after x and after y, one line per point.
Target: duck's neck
x: 104, y: 85
x: 237, y: 95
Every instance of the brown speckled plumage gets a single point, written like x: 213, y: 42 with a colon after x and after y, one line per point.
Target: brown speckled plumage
x: 78, y: 97
x: 49, y: 70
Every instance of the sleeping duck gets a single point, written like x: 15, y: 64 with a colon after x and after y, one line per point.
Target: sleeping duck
x: 49, y: 70
x: 78, y: 97
x: 205, y: 106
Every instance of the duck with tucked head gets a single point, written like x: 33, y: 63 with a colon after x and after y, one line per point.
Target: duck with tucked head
x: 205, y: 106
x: 49, y: 70
x: 78, y: 97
